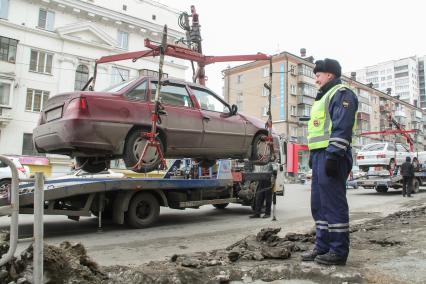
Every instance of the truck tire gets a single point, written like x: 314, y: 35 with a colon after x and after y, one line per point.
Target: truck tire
x: 381, y: 189
x: 143, y: 211
x: 220, y: 206
x: 416, y: 185
x: 4, y: 187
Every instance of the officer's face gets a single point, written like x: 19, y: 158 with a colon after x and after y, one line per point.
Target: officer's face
x: 323, y: 78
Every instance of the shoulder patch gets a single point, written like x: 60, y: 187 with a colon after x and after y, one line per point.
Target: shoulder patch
x: 345, y: 103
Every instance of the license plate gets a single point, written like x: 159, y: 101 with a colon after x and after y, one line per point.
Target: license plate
x: 368, y: 182
x: 54, y: 114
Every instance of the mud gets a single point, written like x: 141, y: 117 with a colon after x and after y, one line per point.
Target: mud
x: 383, y: 250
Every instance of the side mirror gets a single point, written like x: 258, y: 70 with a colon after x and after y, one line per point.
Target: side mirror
x: 234, y: 109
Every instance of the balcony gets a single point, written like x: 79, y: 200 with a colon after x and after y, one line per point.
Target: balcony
x: 416, y: 126
x: 363, y: 116
x: 305, y: 100
x: 385, y: 108
x: 5, y: 116
x: 364, y: 100
x: 399, y: 113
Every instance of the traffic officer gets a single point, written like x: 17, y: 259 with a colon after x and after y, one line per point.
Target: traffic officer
x: 330, y: 131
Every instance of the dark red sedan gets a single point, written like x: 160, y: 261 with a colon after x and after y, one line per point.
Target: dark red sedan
x: 95, y: 127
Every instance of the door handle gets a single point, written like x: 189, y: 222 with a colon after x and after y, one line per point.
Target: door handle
x: 206, y: 118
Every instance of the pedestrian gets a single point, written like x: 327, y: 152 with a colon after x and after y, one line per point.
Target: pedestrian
x: 407, y: 172
x: 330, y: 131
x: 264, y: 195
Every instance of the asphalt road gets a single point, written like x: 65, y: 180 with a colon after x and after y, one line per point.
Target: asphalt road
x: 201, y: 229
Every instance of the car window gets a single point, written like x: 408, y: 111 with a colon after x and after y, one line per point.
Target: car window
x: 172, y: 94
x: 374, y: 147
x: 139, y: 92
x: 391, y: 147
x: 119, y: 86
x: 3, y: 165
x: 401, y: 148
x: 208, y: 101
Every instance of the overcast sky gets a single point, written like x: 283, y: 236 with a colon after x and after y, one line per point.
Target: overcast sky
x: 357, y: 33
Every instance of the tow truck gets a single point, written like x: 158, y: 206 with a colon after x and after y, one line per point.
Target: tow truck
x: 382, y: 180
x: 137, y: 201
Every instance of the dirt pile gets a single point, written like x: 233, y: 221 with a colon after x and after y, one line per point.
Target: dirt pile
x: 384, y: 250
x: 67, y: 263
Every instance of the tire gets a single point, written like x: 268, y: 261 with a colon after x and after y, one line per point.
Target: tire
x: 133, y: 148
x: 416, y: 186
x: 261, y: 152
x: 91, y: 164
x: 220, y: 206
x: 143, y: 211
x: 4, y: 188
x: 381, y: 189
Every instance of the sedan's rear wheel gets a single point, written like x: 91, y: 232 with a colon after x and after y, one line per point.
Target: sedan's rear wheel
x: 133, y: 149
x: 4, y: 188
x: 91, y: 164
x: 364, y: 168
x: 392, y: 165
x: 261, y: 150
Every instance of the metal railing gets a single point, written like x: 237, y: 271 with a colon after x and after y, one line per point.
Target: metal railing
x: 11, y: 209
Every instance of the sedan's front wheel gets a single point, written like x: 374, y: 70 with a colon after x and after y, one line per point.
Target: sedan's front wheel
x: 133, y: 149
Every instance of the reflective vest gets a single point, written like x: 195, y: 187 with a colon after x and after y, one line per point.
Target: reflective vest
x: 320, y: 123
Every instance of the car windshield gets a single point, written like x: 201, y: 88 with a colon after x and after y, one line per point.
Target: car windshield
x: 118, y: 87
x: 374, y: 147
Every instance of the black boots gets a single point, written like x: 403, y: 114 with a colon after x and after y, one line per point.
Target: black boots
x: 311, y: 255
x: 330, y: 258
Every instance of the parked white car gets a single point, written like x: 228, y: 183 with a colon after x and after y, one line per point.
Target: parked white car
x: 383, y: 154
x: 6, y: 174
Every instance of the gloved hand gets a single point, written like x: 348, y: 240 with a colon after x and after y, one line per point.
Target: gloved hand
x: 331, y: 168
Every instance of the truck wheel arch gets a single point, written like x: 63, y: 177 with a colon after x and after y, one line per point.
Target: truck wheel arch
x: 122, y: 201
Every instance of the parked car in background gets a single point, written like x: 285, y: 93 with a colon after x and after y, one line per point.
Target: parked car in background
x: 384, y: 154
x: 6, y: 174
x: 96, y: 127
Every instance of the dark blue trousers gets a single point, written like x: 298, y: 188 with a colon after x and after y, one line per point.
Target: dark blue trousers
x: 329, y: 205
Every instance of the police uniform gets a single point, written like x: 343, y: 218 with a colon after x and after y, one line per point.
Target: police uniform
x: 330, y: 132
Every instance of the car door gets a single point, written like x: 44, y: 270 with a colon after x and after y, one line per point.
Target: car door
x: 182, y: 123
x: 224, y: 133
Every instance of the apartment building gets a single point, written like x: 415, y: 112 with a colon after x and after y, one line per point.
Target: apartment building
x: 422, y: 85
x: 399, y: 78
x: 294, y: 91
x: 50, y: 46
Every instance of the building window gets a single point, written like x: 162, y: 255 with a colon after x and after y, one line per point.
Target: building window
x: 265, y: 92
x: 46, y: 19
x: 41, y: 62
x: 81, y: 77
x: 306, y: 70
x: 8, y: 49
x: 123, y: 39
x: 293, y: 89
x: 240, y: 101
x: 265, y: 72
x: 36, y: 100
x: 264, y: 111
x: 151, y: 73
x: 4, y: 9
x: 5, y: 93
x: 293, y: 110
x: 27, y: 145
x: 239, y: 79
x: 119, y: 75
